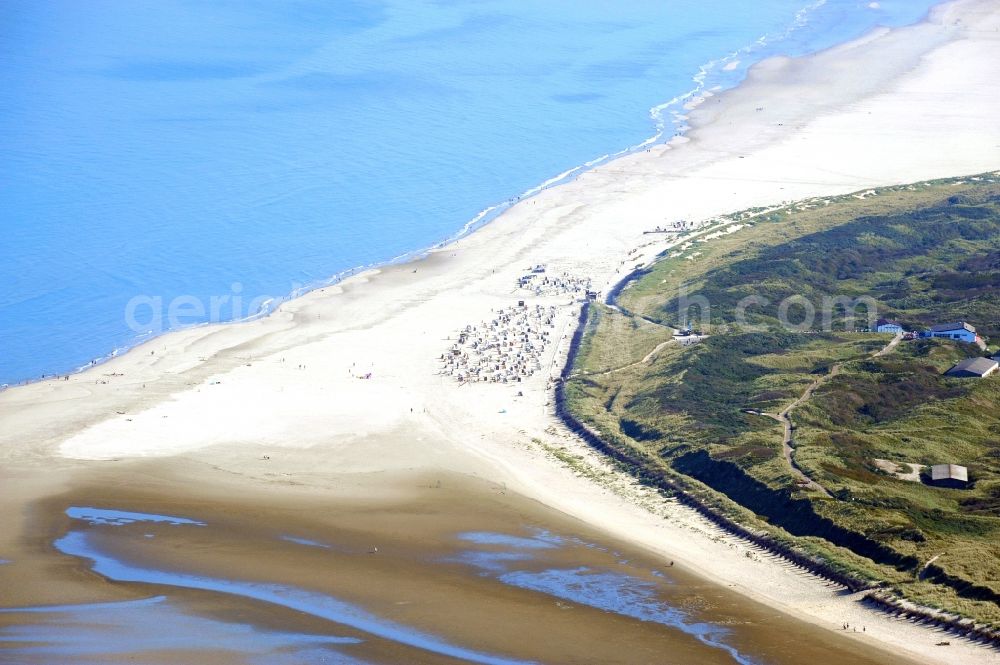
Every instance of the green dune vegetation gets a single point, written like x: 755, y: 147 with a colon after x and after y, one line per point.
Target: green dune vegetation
x: 783, y: 299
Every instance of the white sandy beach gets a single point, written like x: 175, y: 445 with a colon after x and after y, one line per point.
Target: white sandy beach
x: 894, y: 107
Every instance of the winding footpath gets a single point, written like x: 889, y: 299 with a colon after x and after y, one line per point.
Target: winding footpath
x: 785, y: 418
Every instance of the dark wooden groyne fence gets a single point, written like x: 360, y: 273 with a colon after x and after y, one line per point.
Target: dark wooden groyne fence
x: 640, y: 468
x: 616, y: 290
x: 928, y: 617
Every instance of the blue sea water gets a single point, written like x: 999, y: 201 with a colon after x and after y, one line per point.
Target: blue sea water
x: 219, y: 156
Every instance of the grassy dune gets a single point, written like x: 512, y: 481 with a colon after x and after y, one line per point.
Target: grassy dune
x: 705, y: 414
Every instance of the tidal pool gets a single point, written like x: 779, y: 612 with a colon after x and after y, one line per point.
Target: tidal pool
x: 612, y: 591
x: 93, y: 632
x: 81, y: 544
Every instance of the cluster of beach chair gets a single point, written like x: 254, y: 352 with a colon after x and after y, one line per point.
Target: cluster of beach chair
x: 541, y: 284
x: 507, y: 348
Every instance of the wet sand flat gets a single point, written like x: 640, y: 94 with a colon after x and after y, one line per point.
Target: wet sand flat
x: 393, y: 568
